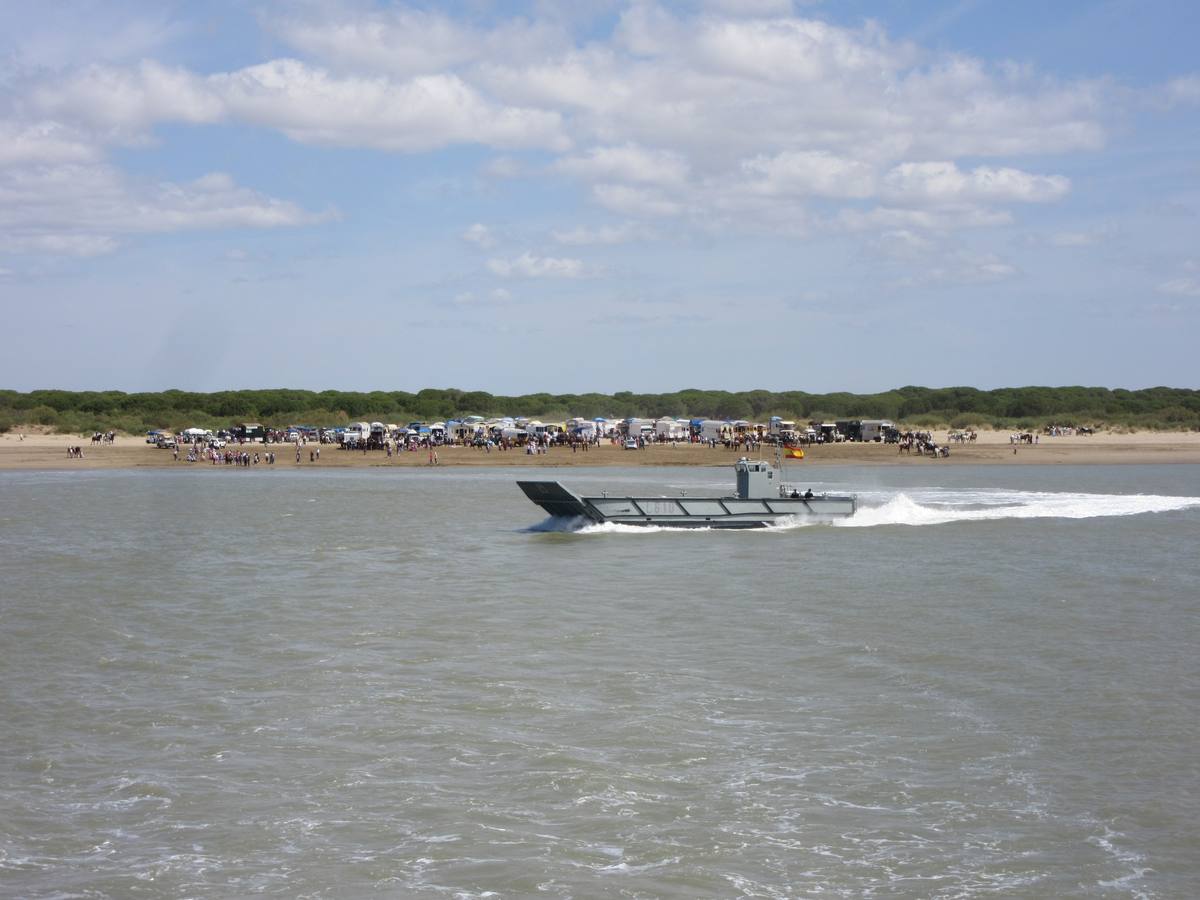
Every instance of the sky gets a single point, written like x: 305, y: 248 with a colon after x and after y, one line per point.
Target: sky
x: 599, y: 196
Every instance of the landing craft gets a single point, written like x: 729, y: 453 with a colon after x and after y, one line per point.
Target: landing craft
x: 760, y: 501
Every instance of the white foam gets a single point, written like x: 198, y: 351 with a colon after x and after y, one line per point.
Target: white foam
x: 581, y: 525
x: 618, y: 528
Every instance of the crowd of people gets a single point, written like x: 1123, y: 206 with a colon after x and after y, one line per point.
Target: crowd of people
x: 232, y: 457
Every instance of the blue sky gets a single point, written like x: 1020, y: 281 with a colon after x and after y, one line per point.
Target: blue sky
x: 599, y: 196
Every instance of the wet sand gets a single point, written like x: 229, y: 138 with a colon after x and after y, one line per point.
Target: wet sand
x: 42, y: 451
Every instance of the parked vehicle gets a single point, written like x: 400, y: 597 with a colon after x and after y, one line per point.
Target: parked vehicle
x: 875, y: 429
x: 250, y: 432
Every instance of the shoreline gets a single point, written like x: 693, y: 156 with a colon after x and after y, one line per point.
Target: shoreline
x: 49, y: 452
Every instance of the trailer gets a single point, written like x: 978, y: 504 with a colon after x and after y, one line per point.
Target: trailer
x: 715, y: 430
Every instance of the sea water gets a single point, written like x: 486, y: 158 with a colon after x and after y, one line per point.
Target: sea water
x: 382, y: 683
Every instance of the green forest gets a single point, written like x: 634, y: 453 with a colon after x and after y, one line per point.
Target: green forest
x: 957, y: 407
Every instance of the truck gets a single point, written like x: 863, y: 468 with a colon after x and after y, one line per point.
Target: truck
x: 247, y: 432
x: 850, y: 429
x: 827, y: 433
x: 876, y: 429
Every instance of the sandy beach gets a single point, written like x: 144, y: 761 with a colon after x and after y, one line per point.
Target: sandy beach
x: 49, y: 451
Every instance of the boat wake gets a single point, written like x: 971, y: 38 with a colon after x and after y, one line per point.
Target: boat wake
x: 934, y: 507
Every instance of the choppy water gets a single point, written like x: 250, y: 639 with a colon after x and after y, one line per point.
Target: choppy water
x: 365, y: 683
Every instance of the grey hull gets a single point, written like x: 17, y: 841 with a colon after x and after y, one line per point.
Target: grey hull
x: 685, y: 512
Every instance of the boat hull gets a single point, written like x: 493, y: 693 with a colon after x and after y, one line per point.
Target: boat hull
x: 685, y: 512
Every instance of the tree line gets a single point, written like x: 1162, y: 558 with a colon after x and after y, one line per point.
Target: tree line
x: 959, y: 407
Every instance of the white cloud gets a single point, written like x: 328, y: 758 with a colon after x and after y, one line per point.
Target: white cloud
x: 1184, y: 286
x: 1083, y: 238
x: 665, y: 97
x: 423, y: 113
x: 750, y: 7
x: 529, y: 266
x: 958, y: 107
x: 944, y: 219
x: 308, y: 104
x: 734, y: 114
x: 1182, y: 91
x: 480, y: 235
x: 903, y: 244
x: 57, y: 35
x: 754, y: 7
x: 962, y: 269
x: 1073, y: 239
x: 503, y: 167
x: 787, y: 50
x: 43, y: 143
x: 83, y: 210
x: 129, y: 100
x: 792, y: 108
x: 82, y: 245
x: 810, y: 172
x: 944, y: 183
x: 471, y: 298
x: 627, y: 163
x: 406, y: 42
x: 401, y: 41
x: 605, y: 234
x: 634, y: 201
